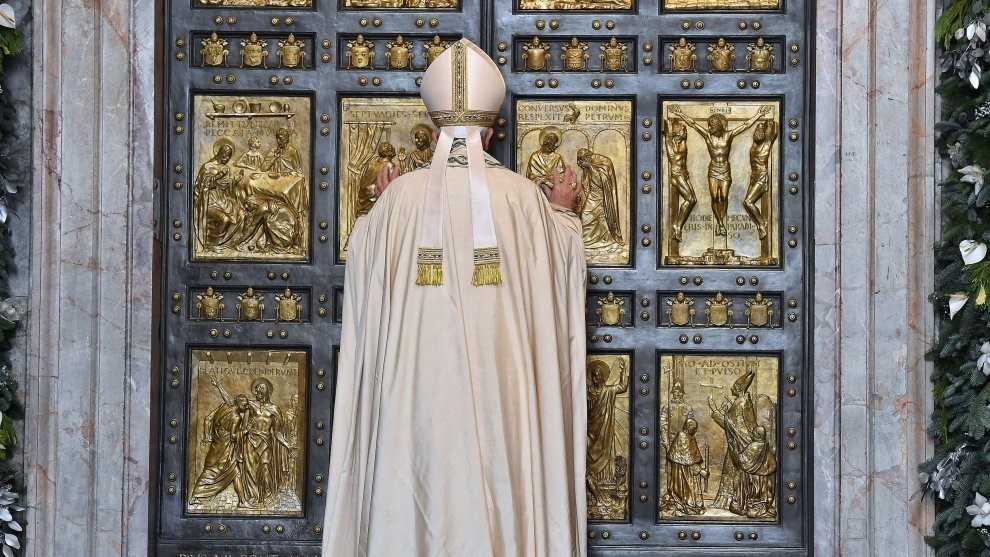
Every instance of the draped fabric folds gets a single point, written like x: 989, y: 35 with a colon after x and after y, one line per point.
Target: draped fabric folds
x: 459, y: 419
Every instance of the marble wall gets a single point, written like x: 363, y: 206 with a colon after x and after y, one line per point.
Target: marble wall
x: 89, y: 337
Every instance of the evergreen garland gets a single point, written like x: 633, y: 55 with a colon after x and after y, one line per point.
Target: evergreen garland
x: 958, y: 476
x: 11, y: 530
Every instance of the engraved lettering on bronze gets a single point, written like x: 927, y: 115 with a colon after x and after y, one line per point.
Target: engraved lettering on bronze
x: 246, y: 422
x: 376, y: 133
x: 593, y: 138
x: 607, y: 477
x: 251, y: 194
x: 717, y: 431
x: 729, y: 226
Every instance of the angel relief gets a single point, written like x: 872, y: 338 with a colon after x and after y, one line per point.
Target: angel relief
x: 591, y: 137
x: 251, y: 190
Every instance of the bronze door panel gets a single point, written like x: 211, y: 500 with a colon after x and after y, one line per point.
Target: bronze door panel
x: 275, y: 114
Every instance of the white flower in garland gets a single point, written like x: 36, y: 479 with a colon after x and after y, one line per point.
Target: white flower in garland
x: 972, y: 251
x: 7, y: 16
x: 980, y: 510
x: 956, y: 303
x: 983, y: 362
x: 973, y: 174
x: 8, y: 311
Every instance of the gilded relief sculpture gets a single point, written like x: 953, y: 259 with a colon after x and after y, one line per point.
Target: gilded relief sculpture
x: 607, y: 477
x: 255, y: 3
x: 759, y: 312
x: 209, y: 305
x: 422, y: 154
x: 544, y: 161
x: 760, y: 55
x: 718, y: 5
x: 408, y: 4
x: 613, y: 56
x: 214, y: 51
x: 253, y: 53
x: 250, y: 306
x: 591, y: 137
x: 610, y: 310
x: 675, y: 148
x: 717, y: 311
x: 399, y: 54
x: 434, y: 48
x: 575, y: 55
x: 680, y: 310
x: 562, y: 5
x: 377, y: 133
x: 288, y: 306
x: 718, y: 458
x: 682, y: 56
x: 721, y: 56
x: 729, y: 226
x: 536, y: 55
x: 246, y: 204
x: 600, y: 201
x: 290, y: 53
x: 360, y: 53
x: 764, y: 136
x: 243, y: 451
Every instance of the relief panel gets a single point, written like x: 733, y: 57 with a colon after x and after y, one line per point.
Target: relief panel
x: 719, y: 5
x: 400, y: 4
x: 251, y: 194
x: 592, y: 137
x: 709, y: 147
x: 246, y: 433
x: 576, y: 5
x: 276, y: 4
x: 718, y: 437
x: 376, y: 133
x: 607, y: 477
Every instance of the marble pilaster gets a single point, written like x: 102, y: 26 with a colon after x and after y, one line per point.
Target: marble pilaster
x: 874, y: 228
x: 90, y: 332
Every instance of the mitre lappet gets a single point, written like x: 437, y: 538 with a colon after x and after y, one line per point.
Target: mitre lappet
x: 462, y: 90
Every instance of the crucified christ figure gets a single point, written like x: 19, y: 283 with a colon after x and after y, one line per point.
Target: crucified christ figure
x: 718, y: 136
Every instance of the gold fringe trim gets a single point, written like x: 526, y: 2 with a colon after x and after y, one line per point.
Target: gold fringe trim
x: 429, y: 267
x: 487, y: 269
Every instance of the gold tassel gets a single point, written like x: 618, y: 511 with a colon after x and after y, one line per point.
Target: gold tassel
x: 487, y: 269
x: 429, y: 267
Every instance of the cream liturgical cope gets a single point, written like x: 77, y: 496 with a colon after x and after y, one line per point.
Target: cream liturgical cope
x: 459, y: 417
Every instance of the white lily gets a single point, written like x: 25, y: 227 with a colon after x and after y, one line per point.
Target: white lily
x: 980, y: 509
x: 973, y: 174
x: 7, y: 16
x: 956, y: 303
x: 972, y: 251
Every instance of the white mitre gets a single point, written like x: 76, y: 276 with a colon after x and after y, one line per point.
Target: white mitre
x: 462, y: 90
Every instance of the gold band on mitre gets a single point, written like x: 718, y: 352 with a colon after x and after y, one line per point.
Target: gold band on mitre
x: 487, y: 267
x: 482, y: 118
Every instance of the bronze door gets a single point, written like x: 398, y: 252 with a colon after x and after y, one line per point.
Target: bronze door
x: 686, y: 120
